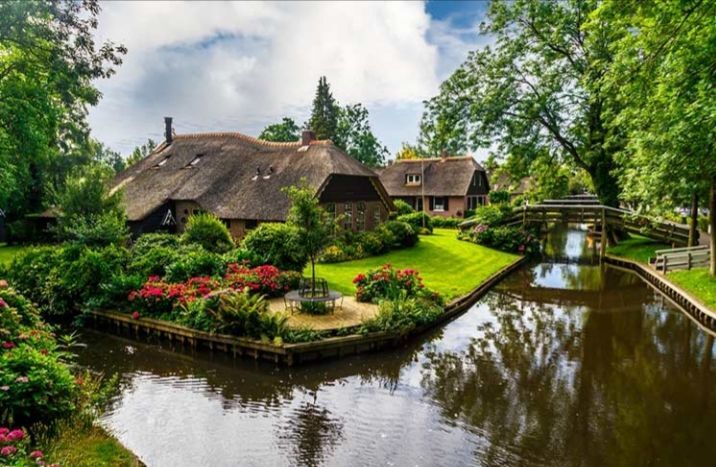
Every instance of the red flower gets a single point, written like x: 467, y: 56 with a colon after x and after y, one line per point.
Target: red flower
x: 135, y: 315
x: 8, y: 345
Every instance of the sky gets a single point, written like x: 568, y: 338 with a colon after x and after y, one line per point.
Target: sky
x: 239, y: 66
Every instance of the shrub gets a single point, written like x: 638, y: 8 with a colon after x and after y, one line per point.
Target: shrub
x: 241, y: 256
x: 402, y: 314
x: 149, y: 241
x: 491, y: 214
x: 159, y: 298
x: 35, y: 384
x: 402, y: 208
x: 265, y: 280
x: 96, y: 230
x: 372, y: 243
x: 148, y: 261
x: 14, y: 449
x: 84, y: 277
x: 401, y: 234
x: 417, y: 221
x: 208, y: 231
x: 387, y: 282
x: 192, y: 262
x: 276, y: 244
x: 499, y: 196
x: 503, y: 238
x: 446, y: 222
x: 314, y: 308
x: 334, y: 254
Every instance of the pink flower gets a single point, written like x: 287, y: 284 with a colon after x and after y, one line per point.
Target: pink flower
x: 4, y: 431
x: 135, y: 315
x: 3, y: 284
x: 4, y: 388
x: 36, y: 455
x: 2, y: 303
x: 8, y: 345
x: 22, y: 379
x: 8, y: 451
x: 16, y: 435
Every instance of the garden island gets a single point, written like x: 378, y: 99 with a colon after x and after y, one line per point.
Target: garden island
x: 530, y: 282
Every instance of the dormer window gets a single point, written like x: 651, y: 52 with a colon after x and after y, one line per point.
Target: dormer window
x: 413, y: 179
x: 269, y: 172
x: 161, y: 162
x: 194, y: 161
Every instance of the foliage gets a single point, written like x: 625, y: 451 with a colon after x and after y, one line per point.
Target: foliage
x: 491, y: 214
x: 402, y: 234
x: 504, y: 238
x: 402, y: 314
x: 15, y: 451
x: 49, y: 62
x: 159, y: 298
x: 390, y: 283
x: 35, y: 382
x: 207, y: 230
x: 334, y: 254
x: 277, y: 244
x: 417, y: 220
x: 140, y: 152
x: 236, y: 312
x: 409, y: 151
x: 88, y: 213
x: 440, y: 222
x: 314, y: 308
x: 264, y: 280
x: 286, y: 131
x: 311, y: 221
x: 536, y: 93
x: 637, y: 247
x: 325, y: 111
x: 499, y: 196
x: 355, y: 137
x: 193, y: 261
x: 402, y: 208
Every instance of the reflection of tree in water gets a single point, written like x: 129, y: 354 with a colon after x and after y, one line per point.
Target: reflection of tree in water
x: 580, y: 388
x: 313, y: 433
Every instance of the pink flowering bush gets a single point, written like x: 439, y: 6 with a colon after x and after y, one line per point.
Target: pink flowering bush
x: 14, y: 449
x: 157, y: 297
x: 387, y: 282
x: 35, y: 383
x: 266, y: 280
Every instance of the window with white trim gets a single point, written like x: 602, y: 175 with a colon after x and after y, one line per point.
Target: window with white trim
x: 348, y: 216
x: 439, y: 204
x: 360, y: 216
x: 413, y: 179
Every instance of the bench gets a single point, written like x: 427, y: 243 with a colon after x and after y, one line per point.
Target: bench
x: 294, y: 299
x: 681, y: 258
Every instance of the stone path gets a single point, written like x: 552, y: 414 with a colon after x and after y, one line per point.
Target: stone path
x: 351, y: 313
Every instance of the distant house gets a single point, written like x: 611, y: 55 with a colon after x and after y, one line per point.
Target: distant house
x: 446, y: 186
x: 516, y: 188
x: 239, y: 179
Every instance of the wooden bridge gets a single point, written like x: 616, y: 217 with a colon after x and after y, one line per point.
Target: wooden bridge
x: 586, y: 209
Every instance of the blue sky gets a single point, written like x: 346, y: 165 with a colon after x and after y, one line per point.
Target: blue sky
x: 224, y: 66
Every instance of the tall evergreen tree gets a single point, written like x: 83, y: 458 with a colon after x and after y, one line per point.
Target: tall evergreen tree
x: 325, y: 113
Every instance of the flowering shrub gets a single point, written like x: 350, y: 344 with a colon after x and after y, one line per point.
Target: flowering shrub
x: 509, y: 239
x: 265, y: 280
x: 388, y: 282
x: 402, y: 314
x: 35, y: 384
x: 157, y: 297
x: 14, y: 447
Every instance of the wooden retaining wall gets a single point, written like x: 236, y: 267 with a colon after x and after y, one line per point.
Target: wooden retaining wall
x: 701, y: 313
x: 289, y: 354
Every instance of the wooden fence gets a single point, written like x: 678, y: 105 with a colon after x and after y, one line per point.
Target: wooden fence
x: 682, y: 258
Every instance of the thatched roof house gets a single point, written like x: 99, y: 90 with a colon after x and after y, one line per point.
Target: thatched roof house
x: 239, y: 178
x: 446, y: 186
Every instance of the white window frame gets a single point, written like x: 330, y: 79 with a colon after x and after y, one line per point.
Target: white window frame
x: 435, y: 204
x: 413, y: 179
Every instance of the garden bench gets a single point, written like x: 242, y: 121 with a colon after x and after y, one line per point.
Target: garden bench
x: 681, y: 258
x: 294, y: 299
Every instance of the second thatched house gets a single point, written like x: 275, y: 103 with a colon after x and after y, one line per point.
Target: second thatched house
x: 239, y: 179
x: 446, y: 186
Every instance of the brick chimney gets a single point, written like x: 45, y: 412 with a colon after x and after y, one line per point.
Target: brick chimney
x: 168, y: 137
x: 307, y: 136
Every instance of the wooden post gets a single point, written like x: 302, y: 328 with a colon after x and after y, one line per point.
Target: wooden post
x: 603, y: 244
x: 688, y: 261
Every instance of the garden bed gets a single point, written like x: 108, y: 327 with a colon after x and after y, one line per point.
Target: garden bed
x: 290, y: 354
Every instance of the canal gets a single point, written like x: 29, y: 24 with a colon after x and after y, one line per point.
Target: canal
x: 565, y: 362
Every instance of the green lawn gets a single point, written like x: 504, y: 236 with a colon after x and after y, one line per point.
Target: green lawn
x: 637, y: 248
x: 698, y: 282
x: 447, y: 265
x: 91, y: 447
x: 7, y: 253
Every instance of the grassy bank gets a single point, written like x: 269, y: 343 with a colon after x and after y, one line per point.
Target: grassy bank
x: 637, y: 248
x: 89, y: 448
x: 449, y: 266
x: 698, y: 282
x: 7, y: 253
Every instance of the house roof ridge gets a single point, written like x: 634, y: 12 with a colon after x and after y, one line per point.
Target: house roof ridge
x: 434, y: 159
x: 250, y: 139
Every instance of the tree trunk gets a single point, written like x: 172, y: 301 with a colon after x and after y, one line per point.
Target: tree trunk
x: 712, y: 223
x: 694, y: 227
x: 605, y: 182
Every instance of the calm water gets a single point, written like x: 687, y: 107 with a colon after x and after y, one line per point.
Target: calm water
x: 564, y: 363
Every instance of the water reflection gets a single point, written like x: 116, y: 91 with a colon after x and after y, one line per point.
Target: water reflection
x: 562, y: 364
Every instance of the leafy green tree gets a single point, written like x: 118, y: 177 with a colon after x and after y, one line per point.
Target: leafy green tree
x: 325, y: 112
x: 663, y: 77
x: 409, y: 151
x: 355, y: 137
x: 312, y: 221
x: 49, y: 60
x: 287, y: 131
x: 140, y: 152
x: 537, y: 90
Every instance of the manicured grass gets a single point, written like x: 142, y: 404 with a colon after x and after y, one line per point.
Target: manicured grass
x: 7, y: 253
x: 90, y: 448
x: 637, y: 248
x: 699, y: 282
x: 449, y: 266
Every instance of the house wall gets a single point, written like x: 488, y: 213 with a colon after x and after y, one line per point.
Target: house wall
x: 345, y: 194
x: 183, y: 210
x: 153, y: 222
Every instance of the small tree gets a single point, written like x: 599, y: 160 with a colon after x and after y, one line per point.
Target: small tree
x: 312, y: 222
x: 286, y: 131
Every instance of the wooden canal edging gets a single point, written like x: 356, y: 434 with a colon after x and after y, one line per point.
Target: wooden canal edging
x: 701, y: 313
x: 291, y: 354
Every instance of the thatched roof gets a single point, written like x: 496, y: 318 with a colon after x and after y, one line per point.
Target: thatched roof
x: 503, y: 181
x: 224, y: 178
x: 449, y: 176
